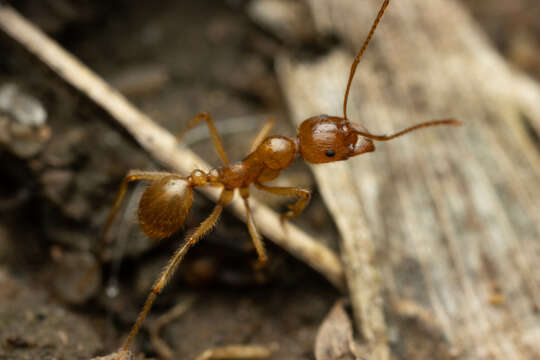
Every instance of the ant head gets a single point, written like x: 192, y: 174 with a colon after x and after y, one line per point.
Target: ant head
x: 323, y: 139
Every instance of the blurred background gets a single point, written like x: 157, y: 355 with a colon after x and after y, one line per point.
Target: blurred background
x: 62, y: 159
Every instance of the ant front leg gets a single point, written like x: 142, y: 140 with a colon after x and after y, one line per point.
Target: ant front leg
x: 255, y: 236
x: 295, y: 209
x: 216, y: 139
x: 172, y: 265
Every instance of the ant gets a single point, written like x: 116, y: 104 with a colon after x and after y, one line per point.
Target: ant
x: 166, y: 202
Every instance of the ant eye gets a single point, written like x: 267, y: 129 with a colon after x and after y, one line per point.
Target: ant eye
x: 330, y: 153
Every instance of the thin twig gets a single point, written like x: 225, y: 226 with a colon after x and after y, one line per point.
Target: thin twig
x: 161, y: 144
x: 248, y: 352
x: 155, y: 327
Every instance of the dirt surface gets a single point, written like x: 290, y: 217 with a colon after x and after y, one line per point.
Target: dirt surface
x: 173, y: 59
x: 34, y: 327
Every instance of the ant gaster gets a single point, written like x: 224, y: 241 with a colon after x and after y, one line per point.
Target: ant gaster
x: 166, y: 202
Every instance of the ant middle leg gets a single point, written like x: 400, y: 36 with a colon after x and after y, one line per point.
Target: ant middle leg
x: 172, y: 265
x: 255, y: 236
x: 216, y: 139
x: 262, y: 134
x: 295, y: 209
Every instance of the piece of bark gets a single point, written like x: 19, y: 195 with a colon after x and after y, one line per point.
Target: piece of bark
x: 446, y: 217
x: 335, y: 340
x: 282, y: 18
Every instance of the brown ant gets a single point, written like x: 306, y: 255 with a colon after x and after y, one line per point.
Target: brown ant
x: 166, y: 202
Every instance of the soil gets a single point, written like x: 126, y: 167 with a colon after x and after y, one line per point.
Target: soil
x: 173, y: 59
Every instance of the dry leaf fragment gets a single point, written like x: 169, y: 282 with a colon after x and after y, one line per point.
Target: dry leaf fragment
x: 335, y: 336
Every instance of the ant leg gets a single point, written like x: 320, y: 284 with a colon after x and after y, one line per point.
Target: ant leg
x: 295, y: 209
x: 170, y: 268
x: 255, y: 236
x: 216, y: 139
x: 133, y: 175
x: 262, y: 134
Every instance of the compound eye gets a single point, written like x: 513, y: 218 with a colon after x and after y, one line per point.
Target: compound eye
x: 330, y: 153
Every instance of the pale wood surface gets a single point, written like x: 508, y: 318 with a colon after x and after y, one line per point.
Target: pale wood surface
x: 446, y: 219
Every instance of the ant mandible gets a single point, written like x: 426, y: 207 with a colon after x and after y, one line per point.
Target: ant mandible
x: 166, y: 202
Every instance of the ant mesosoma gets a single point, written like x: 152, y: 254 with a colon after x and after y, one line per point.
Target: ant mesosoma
x: 166, y: 202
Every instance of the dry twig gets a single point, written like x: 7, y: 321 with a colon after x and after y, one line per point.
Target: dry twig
x: 238, y: 352
x: 155, y: 327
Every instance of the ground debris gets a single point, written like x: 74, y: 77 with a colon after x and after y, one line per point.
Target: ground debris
x: 114, y: 356
x: 289, y: 20
x: 239, y: 352
x: 335, y: 336
x: 23, y: 128
x: 37, y: 329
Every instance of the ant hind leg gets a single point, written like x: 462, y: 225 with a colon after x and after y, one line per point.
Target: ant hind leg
x: 173, y: 263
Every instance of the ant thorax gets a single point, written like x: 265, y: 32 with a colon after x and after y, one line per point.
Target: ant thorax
x: 272, y: 155
x: 277, y: 152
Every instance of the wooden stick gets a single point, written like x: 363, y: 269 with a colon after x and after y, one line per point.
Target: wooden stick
x: 161, y: 144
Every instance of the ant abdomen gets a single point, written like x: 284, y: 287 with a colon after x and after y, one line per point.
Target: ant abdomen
x: 164, y: 206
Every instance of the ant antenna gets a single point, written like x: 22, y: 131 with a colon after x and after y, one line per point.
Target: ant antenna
x: 361, y: 52
x: 453, y: 122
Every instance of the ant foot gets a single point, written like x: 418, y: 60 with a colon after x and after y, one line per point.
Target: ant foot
x: 259, y: 274
x: 259, y: 264
x: 283, y: 220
